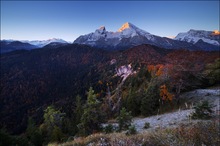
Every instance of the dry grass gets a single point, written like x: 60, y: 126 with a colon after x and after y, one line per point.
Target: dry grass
x: 202, y: 133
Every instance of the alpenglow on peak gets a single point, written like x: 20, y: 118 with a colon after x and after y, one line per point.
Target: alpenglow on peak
x: 126, y: 26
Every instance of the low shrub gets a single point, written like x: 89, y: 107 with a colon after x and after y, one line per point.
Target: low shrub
x: 203, y: 110
x: 131, y: 130
x: 146, y: 125
x: 109, y: 128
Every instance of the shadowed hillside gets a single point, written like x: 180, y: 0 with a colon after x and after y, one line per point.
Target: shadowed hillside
x: 32, y: 80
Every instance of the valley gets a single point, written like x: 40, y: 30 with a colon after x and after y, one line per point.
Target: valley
x: 33, y: 80
x: 52, y: 90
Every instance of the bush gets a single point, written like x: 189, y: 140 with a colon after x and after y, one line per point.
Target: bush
x: 131, y: 130
x: 203, y: 110
x: 108, y: 129
x: 146, y: 125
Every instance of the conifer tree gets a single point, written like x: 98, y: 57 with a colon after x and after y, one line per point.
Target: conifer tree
x: 92, y: 117
x: 33, y: 134
x: 133, y: 102
x: 79, y: 109
x: 124, y: 119
x: 53, y: 124
x: 150, y: 101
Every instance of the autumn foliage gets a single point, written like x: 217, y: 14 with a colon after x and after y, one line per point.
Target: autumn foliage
x: 165, y: 94
x: 160, y: 70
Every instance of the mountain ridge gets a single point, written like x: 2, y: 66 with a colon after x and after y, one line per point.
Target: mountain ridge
x: 129, y: 35
x: 12, y: 45
x: 193, y: 36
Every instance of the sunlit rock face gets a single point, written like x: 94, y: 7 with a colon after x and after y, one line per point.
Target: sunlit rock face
x: 216, y: 32
x: 124, y: 71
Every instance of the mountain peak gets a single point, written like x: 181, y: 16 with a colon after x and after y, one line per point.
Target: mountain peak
x: 130, y: 35
x: 193, y: 36
x: 216, y: 32
x: 102, y: 28
x: 126, y: 26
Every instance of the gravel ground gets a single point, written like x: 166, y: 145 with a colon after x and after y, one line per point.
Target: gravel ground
x: 163, y: 121
x: 212, y: 95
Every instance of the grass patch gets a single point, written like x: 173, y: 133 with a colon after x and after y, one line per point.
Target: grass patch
x: 201, y: 133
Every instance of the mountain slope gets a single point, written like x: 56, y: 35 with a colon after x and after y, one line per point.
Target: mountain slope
x: 32, y: 80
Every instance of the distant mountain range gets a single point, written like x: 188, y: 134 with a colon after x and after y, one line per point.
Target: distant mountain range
x: 8, y: 46
x: 126, y: 37
x: 129, y: 35
x: 43, y: 43
x: 12, y: 45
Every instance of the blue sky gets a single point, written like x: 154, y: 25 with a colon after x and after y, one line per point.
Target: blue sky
x: 40, y: 20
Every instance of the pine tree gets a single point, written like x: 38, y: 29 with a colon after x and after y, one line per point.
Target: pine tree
x: 92, y: 117
x: 131, y: 102
x: 52, y: 121
x: 150, y: 101
x: 91, y: 97
x: 124, y: 119
x: 56, y: 134
x: 33, y: 134
x: 79, y: 109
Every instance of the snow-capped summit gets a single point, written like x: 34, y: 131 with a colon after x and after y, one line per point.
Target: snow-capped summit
x: 127, y: 25
x: 129, y: 29
x: 100, y: 31
x: 194, y: 36
x: 128, y: 35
